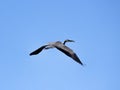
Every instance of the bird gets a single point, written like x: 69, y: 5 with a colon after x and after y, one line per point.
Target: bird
x: 61, y: 47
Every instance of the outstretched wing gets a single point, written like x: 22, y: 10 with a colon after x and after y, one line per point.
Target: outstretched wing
x: 66, y: 50
x: 38, y: 50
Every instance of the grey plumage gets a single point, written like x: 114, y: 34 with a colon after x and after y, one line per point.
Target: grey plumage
x: 60, y: 46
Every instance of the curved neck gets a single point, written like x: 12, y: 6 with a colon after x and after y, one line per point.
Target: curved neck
x: 64, y: 42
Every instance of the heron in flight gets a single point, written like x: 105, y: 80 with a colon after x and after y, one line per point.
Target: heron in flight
x: 60, y: 46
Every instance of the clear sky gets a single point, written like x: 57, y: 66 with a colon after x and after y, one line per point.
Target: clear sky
x: 25, y: 25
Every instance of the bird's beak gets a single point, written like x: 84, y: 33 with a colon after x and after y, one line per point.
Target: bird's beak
x: 71, y: 40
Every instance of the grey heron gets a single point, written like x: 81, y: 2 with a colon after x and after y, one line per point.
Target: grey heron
x: 60, y: 46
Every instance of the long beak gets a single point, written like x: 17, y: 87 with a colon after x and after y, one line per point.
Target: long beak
x: 72, y: 41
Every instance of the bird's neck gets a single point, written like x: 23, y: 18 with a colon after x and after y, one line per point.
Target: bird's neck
x: 64, y: 42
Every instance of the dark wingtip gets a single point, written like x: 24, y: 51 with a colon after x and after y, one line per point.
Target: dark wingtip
x: 81, y: 63
x: 33, y: 54
x: 30, y: 54
x: 38, y: 50
x: 75, y: 57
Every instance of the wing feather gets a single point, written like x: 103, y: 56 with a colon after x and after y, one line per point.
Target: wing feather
x: 66, y: 50
x: 38, y: 50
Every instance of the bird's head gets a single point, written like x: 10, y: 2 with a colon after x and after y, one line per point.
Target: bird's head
x: 68, y: 40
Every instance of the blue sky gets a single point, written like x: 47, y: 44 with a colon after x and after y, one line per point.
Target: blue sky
x: 25, y: 25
